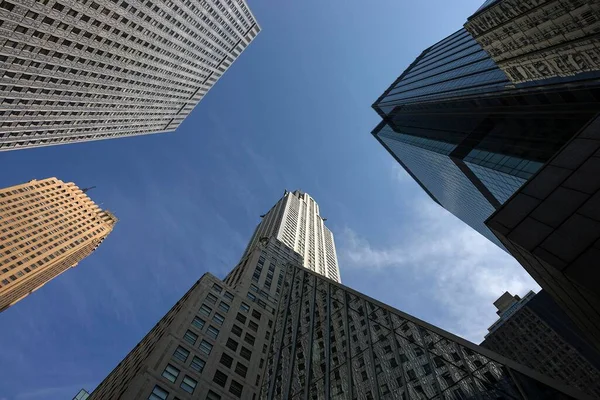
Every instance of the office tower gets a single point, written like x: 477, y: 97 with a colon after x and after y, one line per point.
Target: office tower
x: 82, y: 395
x: 469, y: 136
x: 534, y: 40
x: 221, y: 338
x: 84, y: 70
x: 535, y: 332
x: 331, y: 342
x: 296, y: 221
x: 46, y: 227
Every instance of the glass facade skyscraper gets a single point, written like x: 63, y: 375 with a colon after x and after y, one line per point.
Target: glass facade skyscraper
x: 470, y: 136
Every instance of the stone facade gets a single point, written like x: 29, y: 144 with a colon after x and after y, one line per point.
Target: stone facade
x: 48, y: 226
x: 539, y: 39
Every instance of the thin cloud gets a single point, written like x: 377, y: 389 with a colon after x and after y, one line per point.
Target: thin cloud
x: 459, y: 270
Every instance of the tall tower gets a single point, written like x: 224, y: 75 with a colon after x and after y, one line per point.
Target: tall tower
x: 47, y: 227
x: 295, y: 220
x: 273, y: 329
x: 77, y: 71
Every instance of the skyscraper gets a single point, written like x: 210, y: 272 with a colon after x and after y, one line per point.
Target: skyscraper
x: 295, y: 220
x: 274, y: 329
x: 468, y: 135
x: 535, y: 332
x: 533, y: 40
x: 95, y: 69
x: 46, y: 227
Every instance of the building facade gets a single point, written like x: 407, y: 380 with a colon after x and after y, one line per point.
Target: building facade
x: 296, y: 221
x: 274, y: 329
x: 81, y: 70
x: 46, y: 227
x: 469, y: 135
x: 535, y: 332
x: 534, y: 40
x: 331, y: 342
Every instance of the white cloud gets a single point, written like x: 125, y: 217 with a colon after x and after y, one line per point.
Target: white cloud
x: 438, y: 256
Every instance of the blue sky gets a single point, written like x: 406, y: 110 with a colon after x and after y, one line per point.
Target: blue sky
x: 292, y: 112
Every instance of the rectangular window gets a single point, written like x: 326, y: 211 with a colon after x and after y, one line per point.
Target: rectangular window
x: 253, y: 325
x: 212, y: 332
x: 256, y: 314
x: 236, y: 388
x: 249, y: 339
x: 226, y: 360
x: 181, y: 354
x: 245, y: 353
x: 205, y: 310
x: 212, y: 396
x: 241, y: 318
x: 232, y: 344
x: 228, y: 296
x: 251, y: 296
x: 220, y: 378
x: 188, y: 384
x: 197, y: 364
x: 211, y: 298
x: 244, y: 307
x: 205, y: 347
x: 171, y: 373
x: 158, y: 393
x: 198, y: 323
x: 236, y: 330
x: 218, y: 318
x: 190, y: 337
x: 217, y: 288
x: 241, y: 369
x: 223, y: 306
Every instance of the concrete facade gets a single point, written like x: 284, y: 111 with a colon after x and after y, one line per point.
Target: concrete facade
x: 296, y: 221
x: 535, y: 332
x: 534, y: 40
x: 47, y: 227
x: 81, y: 70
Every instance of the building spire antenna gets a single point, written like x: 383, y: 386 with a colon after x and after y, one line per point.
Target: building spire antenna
x: 85, y: 190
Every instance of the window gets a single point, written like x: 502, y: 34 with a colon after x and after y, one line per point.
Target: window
x: 251, y: 296
x: 190, y: 337
x: 253, y: 325
x: 205, y: 347
x: 232, y: 344
x: 158, y: 393
x: 256, y: 314
x: 212, y: 396
x: 212, y: 332
x: 223, y: 306
x: 226, y: 360
x: 244, y: 307
x: 241, y: 369
x: 249, y: 339
x: 211, y: 298
x: 197, y: 364
x: 198, y: 323
x: 236, y: 388
x: 245, y: 353
x: 218, y: 318
x: 171, y: 373
x: 188, y: 384
x: 241, y: 318
x: 205, y: 310
x: 220, y: 378
x: 217, y: 288
x: 236, y: 330
x: 228, y: 296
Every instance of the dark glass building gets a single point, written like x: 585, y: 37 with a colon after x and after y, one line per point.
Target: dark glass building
x: 471, y: 137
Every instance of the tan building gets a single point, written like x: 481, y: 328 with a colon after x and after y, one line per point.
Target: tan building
x: 46, y: 227
x: 532, y: 39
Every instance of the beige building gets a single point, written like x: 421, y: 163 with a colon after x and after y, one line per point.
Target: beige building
x: 532, y: 39
x: 46, y: 227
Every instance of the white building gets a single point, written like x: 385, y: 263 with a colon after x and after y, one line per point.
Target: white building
x: 295, y: 220
x: 81, y: 70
